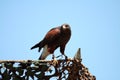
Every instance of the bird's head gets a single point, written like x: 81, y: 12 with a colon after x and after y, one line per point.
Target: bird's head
x: 65, y: 27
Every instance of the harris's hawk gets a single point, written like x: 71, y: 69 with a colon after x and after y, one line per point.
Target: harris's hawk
x: 56, y: 37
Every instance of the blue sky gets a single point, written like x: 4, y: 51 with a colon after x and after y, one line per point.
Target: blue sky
x: 95, y: 26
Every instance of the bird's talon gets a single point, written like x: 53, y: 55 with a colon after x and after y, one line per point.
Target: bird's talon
x: 66, y: 58
x: 54, y: 62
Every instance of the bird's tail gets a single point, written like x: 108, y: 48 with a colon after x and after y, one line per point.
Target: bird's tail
x: 35, y: 46
x: 44, y: 53
x: 40, y: 58
x: 38, y: 45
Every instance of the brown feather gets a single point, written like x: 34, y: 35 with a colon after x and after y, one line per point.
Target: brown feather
x: 56, y: 37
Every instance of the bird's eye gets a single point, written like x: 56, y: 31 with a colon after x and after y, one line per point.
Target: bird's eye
x: 66, y: 25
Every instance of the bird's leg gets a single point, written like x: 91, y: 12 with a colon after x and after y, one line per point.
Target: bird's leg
x: 54, y: 60
x: 53, y: 56
x: 66, y: 58
x: 62, y: 48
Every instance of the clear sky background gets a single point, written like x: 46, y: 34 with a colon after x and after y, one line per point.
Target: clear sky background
x: 95, y: 26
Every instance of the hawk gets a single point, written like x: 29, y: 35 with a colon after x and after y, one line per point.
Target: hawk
x: 56, y: 37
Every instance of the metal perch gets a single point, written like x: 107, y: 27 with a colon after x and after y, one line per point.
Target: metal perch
x: 71, y: 69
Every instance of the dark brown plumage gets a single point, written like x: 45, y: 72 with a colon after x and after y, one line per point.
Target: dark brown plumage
x: 56, y: 37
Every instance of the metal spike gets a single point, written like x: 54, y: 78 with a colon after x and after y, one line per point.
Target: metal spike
x: 77, y: 56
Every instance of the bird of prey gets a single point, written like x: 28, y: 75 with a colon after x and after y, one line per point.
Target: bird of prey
x: 56, y: 37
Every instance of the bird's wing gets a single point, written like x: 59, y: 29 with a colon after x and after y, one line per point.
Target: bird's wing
x: 52, y: 35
